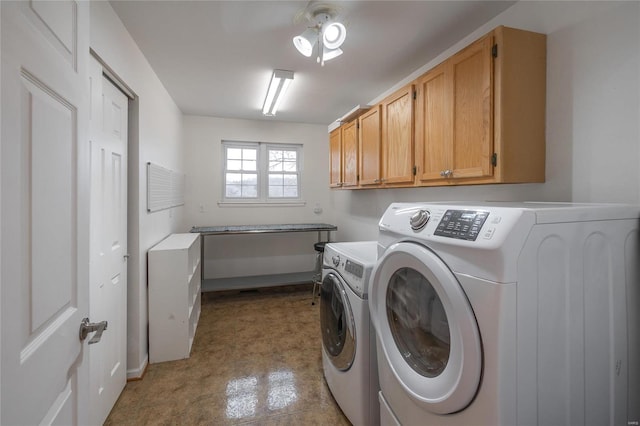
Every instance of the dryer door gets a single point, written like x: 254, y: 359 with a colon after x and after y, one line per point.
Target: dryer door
x: 427, y: 328
x: 337, y: 323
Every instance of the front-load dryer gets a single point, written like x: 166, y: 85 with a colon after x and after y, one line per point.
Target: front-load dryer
x: 507, y: 313
x: 348, y: 340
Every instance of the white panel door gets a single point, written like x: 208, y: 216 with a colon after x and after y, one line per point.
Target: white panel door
x: 44, y: 212
x: 108, y: 289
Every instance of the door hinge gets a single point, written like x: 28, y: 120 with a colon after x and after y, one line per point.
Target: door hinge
x: 494, y: 51
x: 415, y: 94
x: 415, y: 170
x: 494, y: 159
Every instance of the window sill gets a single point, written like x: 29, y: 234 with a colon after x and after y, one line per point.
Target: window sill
x: 298, y: 203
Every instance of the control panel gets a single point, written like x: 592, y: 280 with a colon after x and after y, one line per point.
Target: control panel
x: 461, y: 224
x: 348, y: 265
x: 354, y: 268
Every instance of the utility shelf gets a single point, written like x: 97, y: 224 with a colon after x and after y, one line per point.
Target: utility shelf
x: 256, y: 281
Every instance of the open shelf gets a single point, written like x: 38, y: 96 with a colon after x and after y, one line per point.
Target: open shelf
x: 256, y: 281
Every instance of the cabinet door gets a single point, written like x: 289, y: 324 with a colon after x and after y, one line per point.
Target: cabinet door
x: 397, y: 137
x: 335, y: 158
x: 473, y: 110
x: 434, y: 123
x: 369, y: 160
x: 350, y: 154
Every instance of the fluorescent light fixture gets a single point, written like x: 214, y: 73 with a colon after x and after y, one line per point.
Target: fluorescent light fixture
x: 280, y: 81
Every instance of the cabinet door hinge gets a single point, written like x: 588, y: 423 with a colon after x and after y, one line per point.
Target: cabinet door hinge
x: 415, y: 170
x: 494, y: 159
x: 415, y: 94
x: 494, y: 51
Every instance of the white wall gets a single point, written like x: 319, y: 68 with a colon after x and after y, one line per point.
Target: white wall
x: 593, y: 134
x: 155, y: 136
x: 593, y: 112
x: 246, y: 255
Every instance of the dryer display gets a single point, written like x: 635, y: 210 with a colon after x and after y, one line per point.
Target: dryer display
x: 461, y: 224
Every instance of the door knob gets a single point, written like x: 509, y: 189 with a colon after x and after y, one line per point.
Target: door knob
x: 87, y: 327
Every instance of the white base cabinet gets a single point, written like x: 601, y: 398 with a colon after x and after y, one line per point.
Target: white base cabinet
x: 174, y: 296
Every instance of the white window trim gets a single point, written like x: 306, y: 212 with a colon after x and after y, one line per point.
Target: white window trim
x: 300, y: 203
x: 263, y: 173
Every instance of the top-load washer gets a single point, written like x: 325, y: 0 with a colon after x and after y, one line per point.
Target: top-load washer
x: 508, y: 313
x: 348, y: 340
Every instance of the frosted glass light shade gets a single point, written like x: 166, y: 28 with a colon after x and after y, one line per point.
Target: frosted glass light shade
x: 305, y: 41
x: 329, y: 54
x: 333, y: 35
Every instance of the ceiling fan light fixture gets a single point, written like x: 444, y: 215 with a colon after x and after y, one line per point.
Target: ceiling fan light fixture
x: 305, y: 41
x: 325, y: 31
x: 328, y: 54
x: 333, y: 34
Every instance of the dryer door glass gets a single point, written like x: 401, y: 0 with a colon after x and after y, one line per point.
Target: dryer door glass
x: 337, y: 323
x: 418, y: 322
x: 426, y: 328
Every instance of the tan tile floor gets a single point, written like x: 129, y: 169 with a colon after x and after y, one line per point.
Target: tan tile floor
x: 256, y: 360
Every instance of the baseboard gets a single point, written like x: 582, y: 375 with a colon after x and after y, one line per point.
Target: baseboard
x: 138, y: 373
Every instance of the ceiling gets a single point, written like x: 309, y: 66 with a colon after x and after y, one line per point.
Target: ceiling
x: 215, y: 58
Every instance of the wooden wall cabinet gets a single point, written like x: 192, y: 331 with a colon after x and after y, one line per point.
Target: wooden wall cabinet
x: 476, y: 118
x: 480, y: 115
x: 335, y: 158
x: 397, y: 138
x: 350, y: 154
x: 343, y: 157
x: 174, y: 296
x: 434, y: 116
x: 369, y: 160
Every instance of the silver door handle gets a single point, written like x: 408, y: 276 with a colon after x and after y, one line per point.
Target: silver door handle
x: 87, y: 327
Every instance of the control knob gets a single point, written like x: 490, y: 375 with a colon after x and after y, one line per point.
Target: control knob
x: 336, y: 260
x: 419, y: 219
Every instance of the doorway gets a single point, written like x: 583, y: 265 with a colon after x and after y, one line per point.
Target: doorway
x: 108, y: 140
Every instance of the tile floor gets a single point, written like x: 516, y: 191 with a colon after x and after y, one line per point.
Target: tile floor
x: 256, y: 360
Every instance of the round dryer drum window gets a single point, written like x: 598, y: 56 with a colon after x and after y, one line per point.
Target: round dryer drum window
x: 337, y: 323
x: 426, y: 328
x: 418, y: 322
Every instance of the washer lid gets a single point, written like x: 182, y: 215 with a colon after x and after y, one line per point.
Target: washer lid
x: 426, y: 327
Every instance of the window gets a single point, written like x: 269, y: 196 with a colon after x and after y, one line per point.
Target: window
x: 261, y: 172
x: 241, y: 172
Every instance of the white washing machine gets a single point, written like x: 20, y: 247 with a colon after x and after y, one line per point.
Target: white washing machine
x: 348, y: 339
x: 508, y: 313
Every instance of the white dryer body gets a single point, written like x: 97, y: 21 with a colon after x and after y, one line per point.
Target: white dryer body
x: 540, y: 302
x: 348, y: 341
